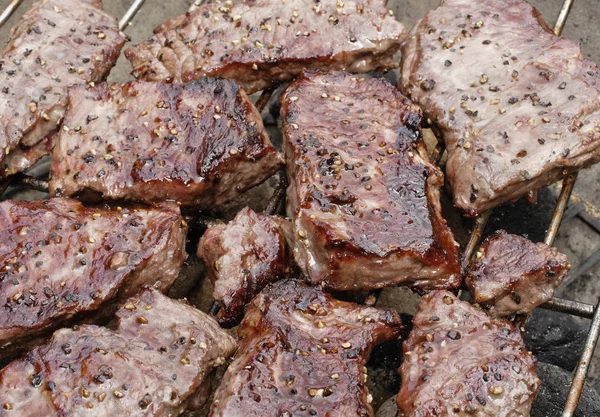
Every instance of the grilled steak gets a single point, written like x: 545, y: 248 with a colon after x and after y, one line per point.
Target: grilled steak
x: 517, y: 106
x: 242, y: 257
x: 156, y: 363
x: 512, y: 274
x: 364, y: 196
x: 201, y: 143
x: 60, y: 261
x: 303, y: 353
x: 260, y: 43
x: 55, y: 45
x: 458, y: 361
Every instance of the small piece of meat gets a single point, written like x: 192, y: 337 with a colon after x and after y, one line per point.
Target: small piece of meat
x: 242, y: 257
x: 363, y: 194
x: 262, y: 43
x: 458, y: 361
x: 154, y: 364
x: 55, y: 45
x: 201, y: 143
x: 512, y: 274
x: 517, y: 106
x: 21, y: 159
x: 303, y: 353
x: 61, y: 262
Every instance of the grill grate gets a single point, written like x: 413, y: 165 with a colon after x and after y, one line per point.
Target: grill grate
x: 575, y: 308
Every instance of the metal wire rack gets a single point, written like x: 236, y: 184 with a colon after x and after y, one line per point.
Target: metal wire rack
x: 575, y: 308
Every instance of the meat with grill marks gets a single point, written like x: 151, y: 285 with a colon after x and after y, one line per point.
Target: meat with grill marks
x: 156, y: 363
x: 303, y: 353
x: 458, y: 361
x: 511, y: 274
x: 201, y: 143
x: 263, y: 43
x: 55, y: 45
x: 62, y: 263
x: 242, y: 257
x: 517, y: 106
x: 364, y: 197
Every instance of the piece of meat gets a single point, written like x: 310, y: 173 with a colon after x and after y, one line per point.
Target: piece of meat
x: 61, y: 262
x: 517, y: 106
x: 363, y: 194
x: 458, y: 361
x: 201, y: 143
x: 55, y: 45
x: 21, y: 159
x: 303, y: 353
x: 262, y: 43
x: 154, y: 364
x: 242, y: 257
x: 511, y: 274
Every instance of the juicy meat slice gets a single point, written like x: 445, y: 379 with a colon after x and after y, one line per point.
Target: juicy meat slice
x: 517, y: 106
x: 21, y: 159
x: 154, y: 364
x: 261, y: 43
x: 55, y: 45
x: 60, y: 261
x: 511, y: 274
x: 242, y: 257
x: 458, y: 361
x: 201, y: 143
x: 303, y: 353
x: 363, y: 194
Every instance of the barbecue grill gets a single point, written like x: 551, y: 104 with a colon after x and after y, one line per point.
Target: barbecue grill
x: 561, y: 212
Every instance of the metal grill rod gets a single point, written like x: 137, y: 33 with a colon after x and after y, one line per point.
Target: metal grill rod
x: 10, y: 9
x: 130, y: 14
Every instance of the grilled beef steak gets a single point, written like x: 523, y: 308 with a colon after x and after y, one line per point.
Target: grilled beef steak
x: 512, y: 274
x: 156, y: 363
x: 458, y: 361
x: 303, y: 353
x: 55, y: 45
x: 60, y: 260
x: 517, y: 106
x: 364, y: 196
x: 261, y: 43
x: 201, y: 143
x: 242, y: 257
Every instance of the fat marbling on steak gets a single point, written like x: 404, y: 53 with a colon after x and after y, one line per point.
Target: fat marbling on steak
x: 458, y: 361
x: 511, y: 274
x: 242, y: 257
x: 201, y: 143
x: 517, y: 106
x: 155, y: 363
x: 60, y: 262
x: 303, y: 353
x: 55, y: 45
x: 261, y: 43
x: 363, y: 194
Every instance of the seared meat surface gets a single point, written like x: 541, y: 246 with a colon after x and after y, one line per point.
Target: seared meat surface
x: 264, y: 43
x: 458, y: 361
x: 60, y: 261
x: 511, y: 274
x: 242, y: 257
x: 55, y: 45
x: 517, y: 106
x: 303, y: 353
x: 201, y: 143
x: 155, y: 364
x: 363, y: 194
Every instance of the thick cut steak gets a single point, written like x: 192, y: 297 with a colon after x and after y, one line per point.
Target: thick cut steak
x: 60, y: 261
x: 201, y: 143
x: 517, y: 106
x: 303, y: 353
x: 55, y: 45
x: 261, y: 43
x: 458, y: 361
x: 155, y: 363
x: 363, y: 194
